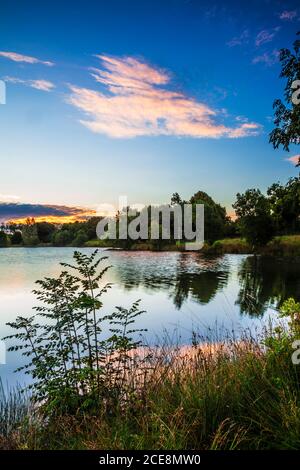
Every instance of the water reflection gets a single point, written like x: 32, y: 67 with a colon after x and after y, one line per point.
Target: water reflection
x: 179, y: 291
x: 265, y: 282
x: 201, y: 287
x: 183, y: 276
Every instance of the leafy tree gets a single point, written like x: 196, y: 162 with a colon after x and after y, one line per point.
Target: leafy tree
x: 215, y: 218
x: 45, y: 231
x: 80, y: 239
x: 90, y: 227
x: 30, y: 234
x: 16, y: 238
x: 74, y: 366
x: 3, y: 239
x: 287, y: 117
x: 254, y: 217
x: 62, y: 238
x: 175, y: 199
x: 285, y: 203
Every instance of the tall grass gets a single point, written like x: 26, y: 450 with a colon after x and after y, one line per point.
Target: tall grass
x: 234, y: 395
x: 15, y: 410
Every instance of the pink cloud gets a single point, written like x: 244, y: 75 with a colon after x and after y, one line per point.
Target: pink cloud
x: 24, y: 58
x: 288, y: 15
x: 43, y: 85
x: 137, y: 102
x: 294, y: 160
x: 266, y: 36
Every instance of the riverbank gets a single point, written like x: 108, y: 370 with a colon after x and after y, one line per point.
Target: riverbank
x: 285, y: 245
x: 236, y: 396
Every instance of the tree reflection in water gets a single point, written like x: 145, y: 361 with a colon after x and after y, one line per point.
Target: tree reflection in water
x: 265, y: 282
x: 261, y: 282
x: 196, y: 277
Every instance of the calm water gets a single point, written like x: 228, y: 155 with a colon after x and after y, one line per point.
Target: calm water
x: 181, y: 292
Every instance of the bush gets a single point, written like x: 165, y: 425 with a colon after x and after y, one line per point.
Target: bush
x: 62, y: 238
x: 16, y: 238
x: 80, y: 238
x: 30, y: 235
x: 3, y: 240
x: 74, y: 366
x: 45, y: 231
x: 255, y: 219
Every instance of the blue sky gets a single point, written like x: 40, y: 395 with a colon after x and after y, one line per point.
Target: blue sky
x: 142, y: 98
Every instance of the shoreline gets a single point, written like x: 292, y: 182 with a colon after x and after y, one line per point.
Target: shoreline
x: 284, y: 245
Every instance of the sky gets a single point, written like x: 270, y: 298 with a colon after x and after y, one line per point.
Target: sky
x: 138, y: 98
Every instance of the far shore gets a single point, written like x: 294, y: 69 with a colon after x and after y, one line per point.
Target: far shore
x: 284, y: 245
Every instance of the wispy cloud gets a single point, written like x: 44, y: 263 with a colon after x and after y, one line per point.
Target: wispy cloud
x: 294, y: 160
x: 241, y: 119
x: 43, y: 85
x: 268, y: 58
x: 266, y: 35
x: 137, y: 101
x: 239, y: 40
x: 288, y: 15
x: 8, y: 198
x: 25, y: 58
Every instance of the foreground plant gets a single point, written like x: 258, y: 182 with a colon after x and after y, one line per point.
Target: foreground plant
x: 15, y: 409
x: 74, y: 366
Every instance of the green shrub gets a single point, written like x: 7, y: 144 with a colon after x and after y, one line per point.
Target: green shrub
x: 73, y: 365
x: 4, y: 242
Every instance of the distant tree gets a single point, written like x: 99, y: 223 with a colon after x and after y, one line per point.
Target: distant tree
x: 80, y: 239
x: 3, y: 239
x: 215, y: 218
x: 30, y: 221
x: 16, y: 238
x: 285, y: 205
x: 287, y: 118
x: 62, y: 237
x: 254, y: 217
x: 231, y: 228
x: 175, y: 199
x: 30, y: 234
x: 90, y: 227
x: 45, y: 231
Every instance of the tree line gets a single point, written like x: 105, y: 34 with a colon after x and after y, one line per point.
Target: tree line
x: 259, y: 217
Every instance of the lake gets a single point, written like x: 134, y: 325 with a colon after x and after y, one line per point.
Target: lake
x: 181, y: 292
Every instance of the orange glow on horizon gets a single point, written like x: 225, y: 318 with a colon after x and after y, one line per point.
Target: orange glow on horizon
x: 54, y: 219
x: 232, y: 215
